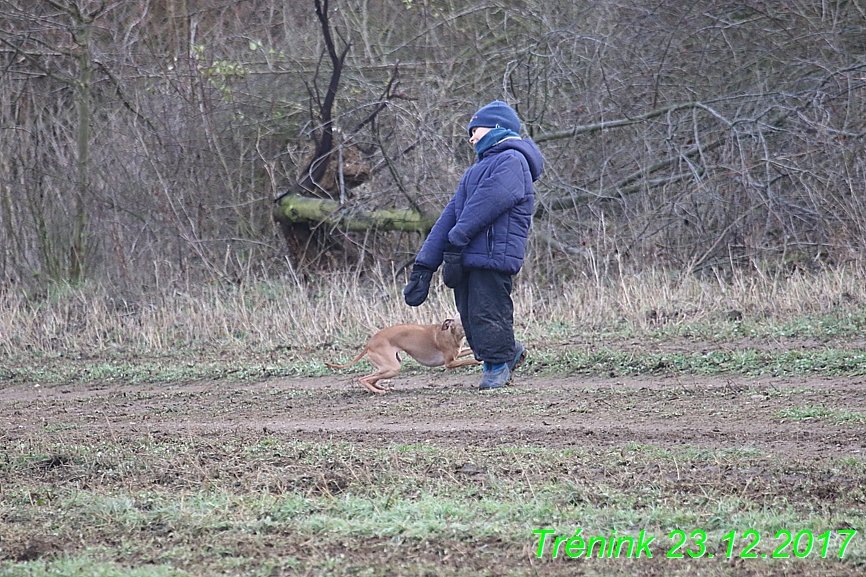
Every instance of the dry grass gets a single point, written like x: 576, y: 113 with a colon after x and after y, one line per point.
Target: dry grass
x: 344, y: 309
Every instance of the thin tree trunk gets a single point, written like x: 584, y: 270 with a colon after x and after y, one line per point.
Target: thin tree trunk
x: 78, y: 246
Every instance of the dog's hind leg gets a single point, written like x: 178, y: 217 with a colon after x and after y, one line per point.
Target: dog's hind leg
x: 370, y: 382
x: 387, y: 366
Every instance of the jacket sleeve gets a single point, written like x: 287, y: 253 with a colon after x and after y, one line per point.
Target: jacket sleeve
x: 433, y: 248
x: 495, y: 194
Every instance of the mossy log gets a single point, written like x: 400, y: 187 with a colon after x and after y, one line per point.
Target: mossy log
x: 297, y: 209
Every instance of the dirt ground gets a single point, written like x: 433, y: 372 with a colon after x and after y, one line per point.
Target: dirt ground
x: 445, y: 409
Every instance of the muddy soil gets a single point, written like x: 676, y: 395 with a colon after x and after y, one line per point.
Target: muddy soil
x: 445, y: 408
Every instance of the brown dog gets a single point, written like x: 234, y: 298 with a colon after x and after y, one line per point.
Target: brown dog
x: 430, y: 345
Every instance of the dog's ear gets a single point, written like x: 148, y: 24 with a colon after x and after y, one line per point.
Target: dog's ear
x: 447, y: 324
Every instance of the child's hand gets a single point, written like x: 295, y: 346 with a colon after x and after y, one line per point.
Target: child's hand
x: 452, y: 269
x: 416, y: 291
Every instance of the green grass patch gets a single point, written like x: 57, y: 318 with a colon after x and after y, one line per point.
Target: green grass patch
x: 747, y: 362
x: 835, y: 325
x: 65, y: 565
x: 822, y: 413
x: 169, y: 370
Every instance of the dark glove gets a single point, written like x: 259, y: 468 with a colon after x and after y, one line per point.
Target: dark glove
x: 452, y: 267
x: 416, y: 291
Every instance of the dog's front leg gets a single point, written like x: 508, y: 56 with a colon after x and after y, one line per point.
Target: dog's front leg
x: 453, y: 364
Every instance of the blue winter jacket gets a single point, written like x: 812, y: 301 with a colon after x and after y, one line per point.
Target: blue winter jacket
x: 488, y: 217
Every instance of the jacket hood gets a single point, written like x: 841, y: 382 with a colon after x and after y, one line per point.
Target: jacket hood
x: 524, y: 146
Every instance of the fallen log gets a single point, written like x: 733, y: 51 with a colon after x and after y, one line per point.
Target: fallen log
x: 297, y: 209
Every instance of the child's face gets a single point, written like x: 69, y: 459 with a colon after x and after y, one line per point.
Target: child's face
x: 477, y: 134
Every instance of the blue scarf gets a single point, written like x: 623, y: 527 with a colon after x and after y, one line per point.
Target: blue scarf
x: 495, y: 136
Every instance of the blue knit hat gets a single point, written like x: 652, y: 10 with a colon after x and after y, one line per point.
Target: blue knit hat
x: 497, y: 113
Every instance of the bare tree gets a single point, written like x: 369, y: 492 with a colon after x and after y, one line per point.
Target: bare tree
x: 143, y: 144
x: 50, y: 41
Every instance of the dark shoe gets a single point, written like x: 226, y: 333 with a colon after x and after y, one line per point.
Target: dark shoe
x: 494, y: 379
x: 519, y: 357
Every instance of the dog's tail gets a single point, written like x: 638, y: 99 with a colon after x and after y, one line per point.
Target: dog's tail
x: 350, y: 363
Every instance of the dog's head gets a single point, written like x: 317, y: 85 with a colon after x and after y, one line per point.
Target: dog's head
x: 455, y: 326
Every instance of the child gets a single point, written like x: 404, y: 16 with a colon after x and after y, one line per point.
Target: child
x: 481, y: 237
